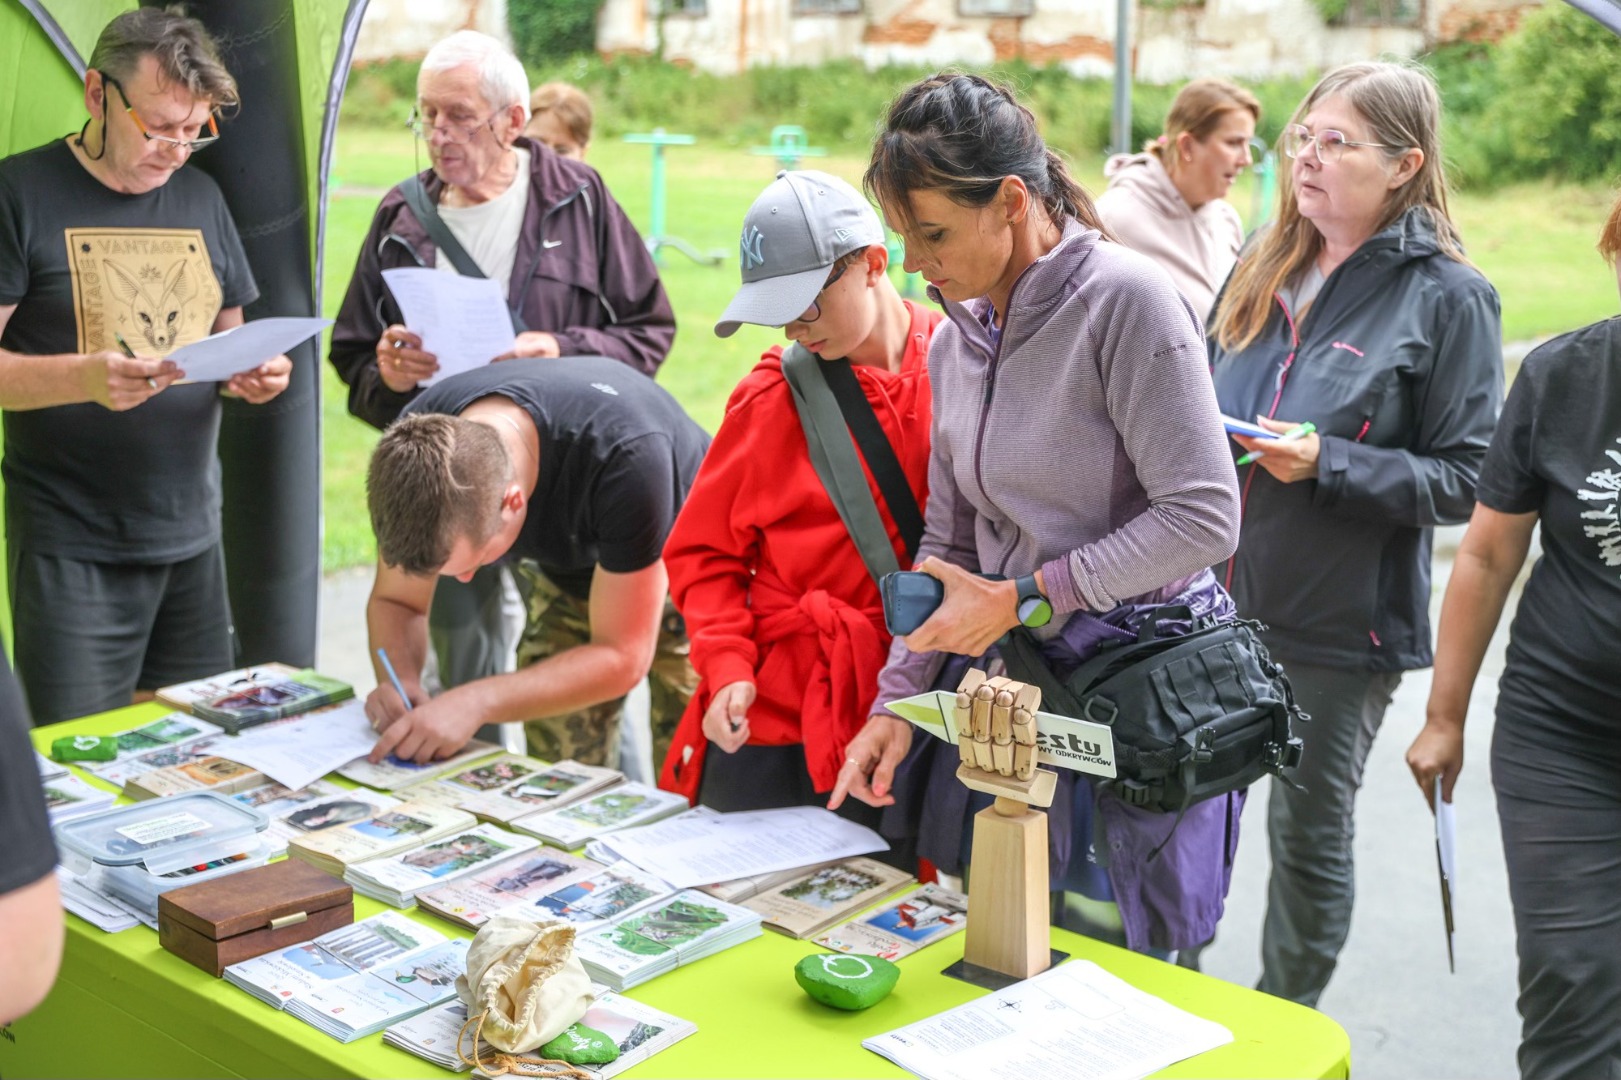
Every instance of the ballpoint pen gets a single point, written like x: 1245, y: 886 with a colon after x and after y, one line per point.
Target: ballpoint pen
x: 129, y: 352
x: 1299, y: 431
x: 394, y: 678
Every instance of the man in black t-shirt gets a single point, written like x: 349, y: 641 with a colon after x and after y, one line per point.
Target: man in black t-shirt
x: 574, y: 473
x: 30, y: 908
x: 112, y: 255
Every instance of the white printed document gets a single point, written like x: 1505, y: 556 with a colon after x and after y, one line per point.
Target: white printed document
x: 693, y: 850
x: 1075, y: 1020
x: 300, y: 750
x: 463, y: 321
x: 242, y: 348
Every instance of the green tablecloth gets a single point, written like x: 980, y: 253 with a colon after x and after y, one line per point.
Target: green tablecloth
x: 125, y: 1007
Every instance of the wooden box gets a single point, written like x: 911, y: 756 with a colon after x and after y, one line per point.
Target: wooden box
x: 240, y: 916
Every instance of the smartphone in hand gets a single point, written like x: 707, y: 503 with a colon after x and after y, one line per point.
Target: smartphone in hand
x: 910, y: 597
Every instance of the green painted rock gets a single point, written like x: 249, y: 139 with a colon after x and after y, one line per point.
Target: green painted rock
x: 846, y: 980
x: 581, y: 1045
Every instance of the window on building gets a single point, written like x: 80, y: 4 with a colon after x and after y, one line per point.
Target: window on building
x: 1005, y: 9
x: 827, y: 7
x: 695, y: 8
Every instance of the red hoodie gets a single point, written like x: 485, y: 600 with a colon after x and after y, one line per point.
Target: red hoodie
x: 768, y: 579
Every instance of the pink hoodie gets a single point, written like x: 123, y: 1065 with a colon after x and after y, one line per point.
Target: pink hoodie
x: 1145, y: 211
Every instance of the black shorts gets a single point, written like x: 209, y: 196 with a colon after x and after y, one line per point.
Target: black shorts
x: 87, y: 635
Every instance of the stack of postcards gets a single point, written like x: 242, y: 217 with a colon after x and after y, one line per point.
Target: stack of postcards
x: 388, y: 832
x: 276, y: 978
x: 620, y: 807
x: 639, y: 1030
x: 395, y: 879
x: 366, y: 1003
x: 511, y: 883
x: 689, y: 926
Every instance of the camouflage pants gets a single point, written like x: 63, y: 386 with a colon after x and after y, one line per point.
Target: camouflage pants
x: 557, y: 621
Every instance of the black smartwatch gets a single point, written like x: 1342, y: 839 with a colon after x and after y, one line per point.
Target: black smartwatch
x: 1034, y: 609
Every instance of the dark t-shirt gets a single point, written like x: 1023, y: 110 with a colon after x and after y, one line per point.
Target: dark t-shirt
x: 27, y: 852
x: 617, y: 455
x: 1557, y: 451
x: 82, y: 261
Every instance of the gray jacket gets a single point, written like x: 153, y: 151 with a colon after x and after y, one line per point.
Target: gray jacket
x: 1085, y: 441
x: 1399, y: 363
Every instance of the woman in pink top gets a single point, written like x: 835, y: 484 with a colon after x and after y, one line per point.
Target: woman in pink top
x: 1170, y: 201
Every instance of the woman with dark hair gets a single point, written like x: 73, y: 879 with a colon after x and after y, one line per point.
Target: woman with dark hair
x: 1355, y: 310
x: 1555, y: 756
x: 1170, y: 201
x: 1077, y: 453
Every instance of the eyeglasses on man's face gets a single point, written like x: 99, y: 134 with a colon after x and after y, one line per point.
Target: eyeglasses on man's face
x: 814, y: 312
x: 196, y: 142
x: 450, y: 131
x: 1330, y: 144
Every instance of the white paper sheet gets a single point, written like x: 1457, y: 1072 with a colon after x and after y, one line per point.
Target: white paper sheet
x: 463, y: 321
x: 242, y: 348
x: 692, y: 850
x: 299, y: 751
x: 1075, y: 1020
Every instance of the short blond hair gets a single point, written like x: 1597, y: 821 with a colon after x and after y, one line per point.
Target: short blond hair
x: 568, y: 103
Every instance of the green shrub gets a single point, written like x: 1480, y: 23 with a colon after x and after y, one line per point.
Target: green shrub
x: 1558, y: 111
x: 545, y: 30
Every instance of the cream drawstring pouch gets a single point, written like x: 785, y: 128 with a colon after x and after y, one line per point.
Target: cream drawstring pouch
x: 524, y: 984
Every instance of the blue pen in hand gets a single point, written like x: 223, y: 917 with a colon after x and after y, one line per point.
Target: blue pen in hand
x: 393, y: 677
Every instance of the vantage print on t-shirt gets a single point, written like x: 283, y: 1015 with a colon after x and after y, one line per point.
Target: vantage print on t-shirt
x: 156, y: 287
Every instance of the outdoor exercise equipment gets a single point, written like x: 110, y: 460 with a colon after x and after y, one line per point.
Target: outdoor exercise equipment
x: 788, y: 145
x: 658, y: 139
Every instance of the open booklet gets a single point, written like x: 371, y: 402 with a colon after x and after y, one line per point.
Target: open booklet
x: 357, y: 979
x: 639, y: 1030
x: 1075, y: 1020
x: 472, y: 901
x: 921, y: 917
x: 392, y: 773
x: 390, y: 832
x: 810, y: 903
x: 396, y: 879
x: 511, y: 786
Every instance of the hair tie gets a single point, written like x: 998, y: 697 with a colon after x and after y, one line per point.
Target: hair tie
x: 1163, y: 139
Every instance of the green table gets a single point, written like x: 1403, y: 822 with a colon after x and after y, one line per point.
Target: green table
x: 124, y: 1007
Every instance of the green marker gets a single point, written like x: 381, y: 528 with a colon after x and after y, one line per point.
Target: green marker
x: 1299, y: 431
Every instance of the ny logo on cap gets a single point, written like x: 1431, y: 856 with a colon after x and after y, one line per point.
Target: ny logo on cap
x: 752, y: 244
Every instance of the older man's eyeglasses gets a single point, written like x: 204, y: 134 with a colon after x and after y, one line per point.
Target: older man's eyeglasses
x: 1330, y: 144
x: 814, y: 312
x: 188, y: 145
x: 450, y: 131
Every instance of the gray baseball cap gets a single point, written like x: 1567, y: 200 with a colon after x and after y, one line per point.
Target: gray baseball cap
x: 792, y: 235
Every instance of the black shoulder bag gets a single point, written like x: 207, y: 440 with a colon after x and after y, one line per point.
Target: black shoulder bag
x: 1193, y: 715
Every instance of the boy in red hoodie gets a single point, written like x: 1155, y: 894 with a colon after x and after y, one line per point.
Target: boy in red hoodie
x: 786, y: 624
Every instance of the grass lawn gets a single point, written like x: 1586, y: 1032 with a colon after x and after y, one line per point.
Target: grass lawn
x: 1535, y: 242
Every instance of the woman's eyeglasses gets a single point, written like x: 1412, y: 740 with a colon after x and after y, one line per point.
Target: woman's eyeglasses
x: 1330, y: 144
x: 188, y: 145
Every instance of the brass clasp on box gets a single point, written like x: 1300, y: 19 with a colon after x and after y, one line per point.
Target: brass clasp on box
x: 290, y: 920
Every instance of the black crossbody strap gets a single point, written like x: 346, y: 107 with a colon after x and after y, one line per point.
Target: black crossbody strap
x: 833, y: 455
x: 416, y: 197
x: 878, y: 450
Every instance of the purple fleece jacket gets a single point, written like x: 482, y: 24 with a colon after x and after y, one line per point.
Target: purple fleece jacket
x: 1086, y: 442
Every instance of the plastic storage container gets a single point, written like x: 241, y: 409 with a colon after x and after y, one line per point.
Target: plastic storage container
x: 142, y: 850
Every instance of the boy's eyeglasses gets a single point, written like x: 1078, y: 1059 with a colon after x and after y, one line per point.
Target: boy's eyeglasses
x: 814, y: 312
x: 1330, y: 144
x: 188, y: 145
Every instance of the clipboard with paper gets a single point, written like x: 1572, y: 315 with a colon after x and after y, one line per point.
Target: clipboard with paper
x: 1446, y: 863
x: 1060, y: 740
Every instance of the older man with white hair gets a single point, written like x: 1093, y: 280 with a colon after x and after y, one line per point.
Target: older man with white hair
x: 577, y: 275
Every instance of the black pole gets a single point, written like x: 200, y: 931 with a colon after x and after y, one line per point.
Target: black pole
x: 270, y: 454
